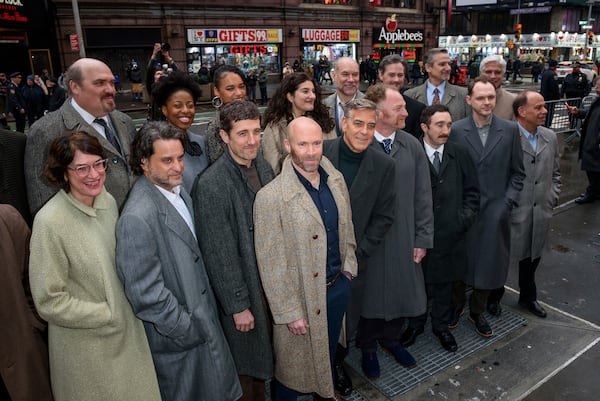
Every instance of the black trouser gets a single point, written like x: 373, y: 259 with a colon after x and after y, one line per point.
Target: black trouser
x: 440, y: 295
x: 594, y: 179
x: 527, y: 286
x: 477, y: 300
x: 373, y: 331
x: 550, y: 115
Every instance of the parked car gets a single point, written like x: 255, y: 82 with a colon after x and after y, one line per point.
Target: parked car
x: 564, y: 68
x: 588, y: 68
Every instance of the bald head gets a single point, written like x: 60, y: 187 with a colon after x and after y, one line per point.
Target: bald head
x: 346, y: 78
x: 305, y: 145
x: 92, y: 85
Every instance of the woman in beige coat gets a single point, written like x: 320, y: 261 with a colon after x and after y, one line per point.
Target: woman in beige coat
x: 298, y: 95
x: 98, y: 348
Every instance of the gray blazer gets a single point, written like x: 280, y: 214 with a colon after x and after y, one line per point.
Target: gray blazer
x: 454, y: 98
x: 329, y: 101
x: 67, y: 119
x: 501, y: 173
x: 161, y: 267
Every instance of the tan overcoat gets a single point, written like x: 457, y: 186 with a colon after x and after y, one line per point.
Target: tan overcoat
x: 291, y: 250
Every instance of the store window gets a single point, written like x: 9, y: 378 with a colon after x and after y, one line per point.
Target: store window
x: 241, y: 56
x: 393, y: 3
x: 334, y: 2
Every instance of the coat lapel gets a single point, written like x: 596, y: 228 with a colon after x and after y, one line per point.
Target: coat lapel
x: 494, y: 137
x: 472, y: 137
x: 297, y: 192
x: 173, y: 220
x: 364, y: 176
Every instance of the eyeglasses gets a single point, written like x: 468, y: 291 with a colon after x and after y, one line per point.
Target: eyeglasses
x: 82, y: 170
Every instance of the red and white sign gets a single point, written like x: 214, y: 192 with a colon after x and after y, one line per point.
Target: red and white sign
x: 242, y: 35
x: 74, y: 41
x: 331, y: 35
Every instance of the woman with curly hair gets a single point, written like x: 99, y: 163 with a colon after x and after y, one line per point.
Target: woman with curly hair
x: 298, y: 95
x: 228, y: 85
x: 175, y: 96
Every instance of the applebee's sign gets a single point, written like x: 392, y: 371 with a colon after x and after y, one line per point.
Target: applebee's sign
x: 390, y: 33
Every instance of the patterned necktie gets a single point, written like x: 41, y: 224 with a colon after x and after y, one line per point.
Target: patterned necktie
x: 436, y: 97
x: 110, y: 135
x: 436, y: 161
x: 387, y: 145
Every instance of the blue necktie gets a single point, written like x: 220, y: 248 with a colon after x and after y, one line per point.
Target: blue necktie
x: 387, y: 145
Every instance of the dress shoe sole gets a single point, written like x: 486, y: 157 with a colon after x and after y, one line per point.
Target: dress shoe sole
x: 453, y: 326
x: 486, y: 335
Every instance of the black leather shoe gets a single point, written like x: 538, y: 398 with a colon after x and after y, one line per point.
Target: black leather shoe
x: 482, y: 327
x: 446, y: 340
x: 534, y: 307
x: 341, y: 380
x: 409, y: 336
x: 585, y: 198
x: 455, y: 318
x: 494, y: 308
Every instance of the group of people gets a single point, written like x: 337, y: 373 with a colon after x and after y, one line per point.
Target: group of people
x: 179, y: 265
x: 28, y: 102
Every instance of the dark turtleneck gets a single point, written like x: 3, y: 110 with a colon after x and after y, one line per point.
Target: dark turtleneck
x: 349, y: 163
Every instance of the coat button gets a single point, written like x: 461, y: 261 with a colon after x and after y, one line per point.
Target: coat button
x: 114, y: 160
x: 251, y: 228
x: 315, y: 236
x: 318, y: 311
x: 316, y: 274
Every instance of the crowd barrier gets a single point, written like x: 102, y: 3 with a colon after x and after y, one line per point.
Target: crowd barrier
x: 561, y: 121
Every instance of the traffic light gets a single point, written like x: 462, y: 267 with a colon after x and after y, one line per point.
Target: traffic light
x: 591, y: 38
x: 518, y: 29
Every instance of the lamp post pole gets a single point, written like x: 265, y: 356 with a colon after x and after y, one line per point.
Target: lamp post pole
x: 78, y: 28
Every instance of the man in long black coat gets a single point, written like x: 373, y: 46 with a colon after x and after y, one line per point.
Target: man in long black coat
x: 369, y: 175
x: 589, y: 147
x: 455, y: 194
x: 223, y: 198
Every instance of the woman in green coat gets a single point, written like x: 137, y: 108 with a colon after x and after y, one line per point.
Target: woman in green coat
x: 97, y: 347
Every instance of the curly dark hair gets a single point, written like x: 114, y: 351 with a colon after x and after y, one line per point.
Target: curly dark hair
x: 62, y: 151
x: 279, y: 106
x: 142, y: 146
x: 175, y: 81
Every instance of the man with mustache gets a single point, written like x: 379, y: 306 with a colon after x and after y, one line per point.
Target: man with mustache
x: 455, y: 194
x: 90, y: 109
x: 495, y: 147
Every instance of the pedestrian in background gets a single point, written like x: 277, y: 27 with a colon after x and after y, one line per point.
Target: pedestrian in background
x: 263, y: 79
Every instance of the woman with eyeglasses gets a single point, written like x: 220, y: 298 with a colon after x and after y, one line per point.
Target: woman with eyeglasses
x: 97, y: 347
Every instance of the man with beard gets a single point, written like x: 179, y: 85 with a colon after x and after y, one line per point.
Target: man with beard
x: 305, y: 248
x: 346, y: 78
x: 162, y: 270
x: 392, y: 72
x: 90, y: 109
x: 223, y: 198
x: 493, y: 68
x: 495, y: 148
x: 437, y: 89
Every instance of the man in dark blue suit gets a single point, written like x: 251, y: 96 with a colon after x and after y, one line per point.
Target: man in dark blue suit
x: 494, y: 145
x: 369, y: 175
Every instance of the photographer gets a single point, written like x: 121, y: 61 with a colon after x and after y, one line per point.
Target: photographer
x: 161, y: 60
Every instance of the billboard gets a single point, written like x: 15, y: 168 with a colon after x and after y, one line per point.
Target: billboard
x: 470, y: 3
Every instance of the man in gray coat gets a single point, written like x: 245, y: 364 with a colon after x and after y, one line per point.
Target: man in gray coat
x: 161, y: 267
x: 495, y: 147
x: 396, y: 287
x: 223, y: 197
x: 436, y: 89
x: 368, y: 174
x: 90, y: 109
x: 346, y: 78
x: 530, y: 220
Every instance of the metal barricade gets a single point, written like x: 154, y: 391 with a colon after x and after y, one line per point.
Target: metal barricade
x: 558, y: 118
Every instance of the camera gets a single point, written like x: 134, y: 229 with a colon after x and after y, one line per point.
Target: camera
x: 165, y: 46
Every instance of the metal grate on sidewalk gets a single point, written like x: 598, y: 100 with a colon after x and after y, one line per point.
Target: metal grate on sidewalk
x: 431, y: 357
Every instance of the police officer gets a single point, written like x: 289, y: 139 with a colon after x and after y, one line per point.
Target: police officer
x: 3, y: 92
x: 576, y: 84
x: 15, y: 103
x: 549, y: 89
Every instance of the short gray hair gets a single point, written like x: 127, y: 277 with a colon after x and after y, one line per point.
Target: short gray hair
x: 494, y: 58
x: 358, y: 104
x: 431, y: 53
